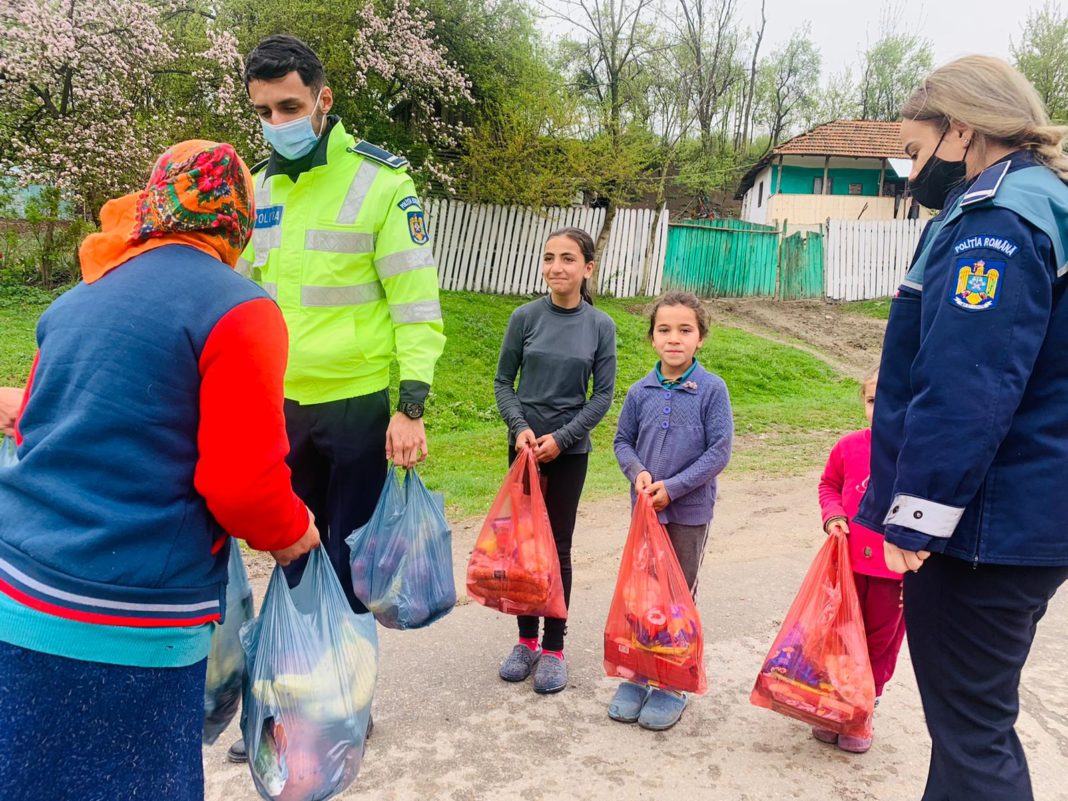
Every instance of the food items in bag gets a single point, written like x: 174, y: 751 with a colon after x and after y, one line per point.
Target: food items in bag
x: 818, y: 669
x: 653, y: 632
x: 401, y: 559
x: 312, y: 672
x: 514, y: 567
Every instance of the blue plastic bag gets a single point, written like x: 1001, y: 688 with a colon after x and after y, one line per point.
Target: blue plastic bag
x: 401, y: 558
x: 8, y: 454
x: 313, y: 664
x: 226, y: 661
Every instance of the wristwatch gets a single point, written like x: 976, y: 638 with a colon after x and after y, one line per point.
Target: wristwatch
x: 412, y: 410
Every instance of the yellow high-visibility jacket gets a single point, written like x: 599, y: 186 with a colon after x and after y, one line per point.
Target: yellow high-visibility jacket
x: 345, y: 252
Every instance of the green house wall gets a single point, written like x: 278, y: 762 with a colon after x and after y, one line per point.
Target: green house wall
x: 799, y: 180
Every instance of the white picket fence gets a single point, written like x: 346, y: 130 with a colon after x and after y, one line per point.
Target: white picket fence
x: 485, y: 247
x: 865, y: 260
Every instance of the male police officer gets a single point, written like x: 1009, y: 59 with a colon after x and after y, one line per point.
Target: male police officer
x: 340, y: 242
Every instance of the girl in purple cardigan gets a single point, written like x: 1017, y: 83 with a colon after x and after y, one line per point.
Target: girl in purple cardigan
x: 674, y: 438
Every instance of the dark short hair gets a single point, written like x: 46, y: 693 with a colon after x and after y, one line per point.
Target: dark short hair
x: 677, y: 298
x: 277, y: 56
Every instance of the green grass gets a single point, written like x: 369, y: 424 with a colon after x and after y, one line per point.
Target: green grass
x: 788, y: 405
x: 19, y: 309
x: 879, y: 308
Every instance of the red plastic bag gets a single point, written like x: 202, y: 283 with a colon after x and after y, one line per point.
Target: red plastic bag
x: 818, y: 669
x: 653, y: 631
x: 514, y: 567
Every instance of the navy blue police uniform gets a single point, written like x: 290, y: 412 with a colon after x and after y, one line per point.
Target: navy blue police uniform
x: 969, y: 455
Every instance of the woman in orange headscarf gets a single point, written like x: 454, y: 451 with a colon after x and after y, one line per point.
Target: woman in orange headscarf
x: 151, y: 429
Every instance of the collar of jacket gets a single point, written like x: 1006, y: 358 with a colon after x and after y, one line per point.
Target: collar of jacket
x: 689, y: 385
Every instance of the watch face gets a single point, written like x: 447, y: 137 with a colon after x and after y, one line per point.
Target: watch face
x: 413, y: 410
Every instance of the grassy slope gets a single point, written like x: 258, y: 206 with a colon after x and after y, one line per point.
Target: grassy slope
x: 788, y: 406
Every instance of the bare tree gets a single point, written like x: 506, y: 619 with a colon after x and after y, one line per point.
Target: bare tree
x: 612, y: 51
x: 789, y: 83
x: 709, y: 35
x: 746, y: 123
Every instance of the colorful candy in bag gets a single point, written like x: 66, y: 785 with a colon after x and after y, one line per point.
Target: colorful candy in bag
x: 226, y: 661
x: 514, y: 567
x: 653, y: 632
x: 8, y: 454
x: 818, y: 669
x: 312, y: 670
x: 402, y: 557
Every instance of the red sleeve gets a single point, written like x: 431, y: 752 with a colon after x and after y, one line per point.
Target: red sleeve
x: 242, y: 440
x: 26, y: 395
x: 831, y: 483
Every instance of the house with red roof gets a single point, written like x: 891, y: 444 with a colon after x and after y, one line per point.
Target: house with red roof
x: 845, y: 169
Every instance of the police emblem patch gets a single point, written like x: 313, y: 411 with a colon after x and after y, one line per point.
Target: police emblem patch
x: 978, y: 284
x: 408, y: 202
x: 417, y: 228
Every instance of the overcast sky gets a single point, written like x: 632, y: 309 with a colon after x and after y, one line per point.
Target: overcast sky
x: 841, y: 29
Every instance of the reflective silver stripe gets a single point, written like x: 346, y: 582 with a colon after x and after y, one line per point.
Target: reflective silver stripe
x: 397, y: 263
x: 338, y: 241
x: 1063, y: 270
x: 263, y: 239
x: 912, y: 285
x: 927, y: 517
x: 271, y: 289
x: 358, y: 189
x: 341, y: 295
x: 243, y: 267
x: 263, y: 192
x: 423, y: 311
x: 44, y: 589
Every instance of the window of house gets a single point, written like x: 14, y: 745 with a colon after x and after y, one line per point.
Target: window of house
x: 817, y: 185
x: 856, y: 189
x: 760, y: 195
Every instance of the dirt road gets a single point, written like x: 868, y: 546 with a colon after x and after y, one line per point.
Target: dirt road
x: 447, y: 728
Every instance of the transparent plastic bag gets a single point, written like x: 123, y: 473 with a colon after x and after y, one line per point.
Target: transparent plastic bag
x: 401, y: 558
x: 313, y: 664
x: 226, y: 661
x: 818, y: 669
x: 514, y: 567
x: 8, y: 454
x: 653, y: 633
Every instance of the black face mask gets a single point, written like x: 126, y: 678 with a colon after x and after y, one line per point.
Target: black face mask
x: 937, y: 178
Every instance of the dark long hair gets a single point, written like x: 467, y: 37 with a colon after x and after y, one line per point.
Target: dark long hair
x: 588, y: 248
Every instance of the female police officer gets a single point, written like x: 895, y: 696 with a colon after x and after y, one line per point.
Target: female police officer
x: 970, y: 438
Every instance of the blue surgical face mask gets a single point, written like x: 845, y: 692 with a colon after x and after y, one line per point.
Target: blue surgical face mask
x: 295, y: 138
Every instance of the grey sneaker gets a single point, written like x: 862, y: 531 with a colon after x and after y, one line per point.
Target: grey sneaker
x: 551, y: 675
x: 519, y: 663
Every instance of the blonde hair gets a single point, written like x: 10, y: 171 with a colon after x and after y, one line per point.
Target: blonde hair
x: 995, y: 100
x: 872, y: 376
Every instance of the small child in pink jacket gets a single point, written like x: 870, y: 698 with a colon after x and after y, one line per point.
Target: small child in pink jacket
x: 844, y: 480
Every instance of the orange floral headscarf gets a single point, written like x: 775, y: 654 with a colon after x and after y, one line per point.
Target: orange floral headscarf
x: 200, y: 194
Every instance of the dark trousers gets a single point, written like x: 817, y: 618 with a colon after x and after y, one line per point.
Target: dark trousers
x: 563, y: 478
x: 689, y: 543
x: 338, y: 458
x: 884, y: 624
x: 970, y: 631
x: 73, y: 730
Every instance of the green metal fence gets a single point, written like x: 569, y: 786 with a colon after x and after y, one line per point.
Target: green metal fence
x: 734, y: 259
